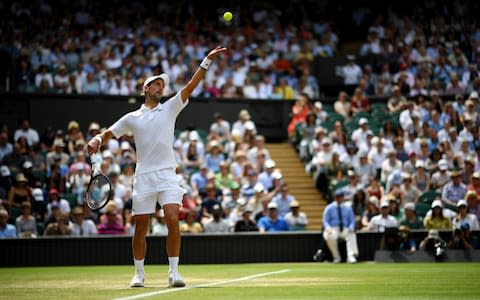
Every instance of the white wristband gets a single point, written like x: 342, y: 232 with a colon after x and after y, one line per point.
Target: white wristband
x: 99, y: 139
x: 205, y: 63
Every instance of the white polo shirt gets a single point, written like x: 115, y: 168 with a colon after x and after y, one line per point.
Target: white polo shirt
x: 153, y: 131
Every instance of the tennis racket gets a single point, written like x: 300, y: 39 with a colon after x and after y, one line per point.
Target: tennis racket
x: 99, y: 189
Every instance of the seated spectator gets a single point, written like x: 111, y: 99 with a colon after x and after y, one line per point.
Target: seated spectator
x: 159, y: 227
x: 462, y: 239
x: 81, y: 226
x: 272, y: 222
x: 411, y: 220
x: 434, y: 244
x: 475, y: 183
x: 454, y: 190
x: 397, y: 101
x: 224, y: 179
x: 407, y: 243
x: 339, y: 222
x: 370, y: 211
x: 463, y: 217
x: 214, y: 156
x: 6, y: 230
x: 472, y: 204
x: 440, y: 177
x: 436, y: 220
x: 17, y: 195
x: 60, y: 227
x: 342, y: 105
x: 26, y: 224
x: 54, y: 198
x: 296, y: 219
x: 283, y: 200
x: 216, y: 223
x: 246, y: 223
x: 111, y: 224
x: 208, y: 202
x: 190, y: 224
x: 384, y: 220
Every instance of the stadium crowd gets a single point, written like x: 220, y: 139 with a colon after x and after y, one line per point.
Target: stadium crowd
x: 413, y: 160
x: 230, y: 182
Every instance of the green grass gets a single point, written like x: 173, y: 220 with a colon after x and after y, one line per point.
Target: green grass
x: 303, y: 281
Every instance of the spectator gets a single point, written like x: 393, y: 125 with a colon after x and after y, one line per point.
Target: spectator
x: 214, y: 156
x: 383, y: 220
x: 454, y: 190
x: 462, y: 239
x: 246, y: 223
x: 221, y: 127
x: 474, y: 183
x: 159, y: 227
x: 27, y: 132
x: 81, y: 226
x: 300, y: 109
x: 111, y: 224
x: 436, y: 220
x: 216, y: 224
x: 406, y: 241
x: 342, y: 106
x: 397, y: 101
x: 421, y: 179
x: 18, y: 194
x: 409, y: 192
x: 243, y: 123
x: 440, y: 177
x: 283, y: 200
x: 190, y: 225
x: 411, y: 220
x: 296, y: 219
x: 351, y: 72
x: 359, y: 102
x: 26, y: 224
x: 339, y: 222
x: 434, y: 244
x: 60, y: 227
x: 6, y: 230
x: 55, y: 199
x: 464, y: 217
x: 5, y: 146
x: 272, y: 222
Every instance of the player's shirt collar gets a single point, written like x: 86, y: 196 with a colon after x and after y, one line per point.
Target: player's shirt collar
x: 144, y: 108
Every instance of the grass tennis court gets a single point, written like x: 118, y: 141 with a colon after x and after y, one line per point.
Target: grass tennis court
x: 250, y: 281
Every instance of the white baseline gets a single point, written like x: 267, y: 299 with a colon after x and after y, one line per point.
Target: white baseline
x: 173, y: 290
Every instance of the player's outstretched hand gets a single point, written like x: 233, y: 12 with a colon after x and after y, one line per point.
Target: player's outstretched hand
x: 213, y: 54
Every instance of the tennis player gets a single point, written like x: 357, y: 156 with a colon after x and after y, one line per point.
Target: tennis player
x: 153, y: 126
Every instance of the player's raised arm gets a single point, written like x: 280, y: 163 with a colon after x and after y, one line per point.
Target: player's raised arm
x: 200, y: 73
x: 94, y: 144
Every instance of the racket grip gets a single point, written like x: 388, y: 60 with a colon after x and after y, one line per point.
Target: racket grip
x: 161, y: 213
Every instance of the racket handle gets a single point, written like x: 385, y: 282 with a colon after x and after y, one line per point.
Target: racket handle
x: 161, y: 213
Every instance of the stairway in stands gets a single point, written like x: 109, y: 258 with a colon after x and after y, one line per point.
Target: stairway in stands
x: 300, y: 184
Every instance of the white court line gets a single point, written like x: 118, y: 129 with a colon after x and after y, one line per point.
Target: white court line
x: 173, y: 290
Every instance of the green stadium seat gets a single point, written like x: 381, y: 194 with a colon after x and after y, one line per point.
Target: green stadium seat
x: 421, y: 209
x: 429, y: 196
x: 71, y: 198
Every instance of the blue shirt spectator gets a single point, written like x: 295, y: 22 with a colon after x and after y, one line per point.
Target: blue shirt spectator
x: 272, y: 222
x: 6, y: 230
x: 283, y: 200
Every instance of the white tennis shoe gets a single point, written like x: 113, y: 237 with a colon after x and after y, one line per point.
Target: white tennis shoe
x: 175, y: 280
x: 137, y: 281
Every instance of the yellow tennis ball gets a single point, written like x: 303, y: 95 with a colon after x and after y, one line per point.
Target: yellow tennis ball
x: 227, y: 16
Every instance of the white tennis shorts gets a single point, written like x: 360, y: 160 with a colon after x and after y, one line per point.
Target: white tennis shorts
x: 159, y: 186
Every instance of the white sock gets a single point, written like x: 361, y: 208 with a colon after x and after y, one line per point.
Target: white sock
x: 139, y: 266
x: 173, y: 264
